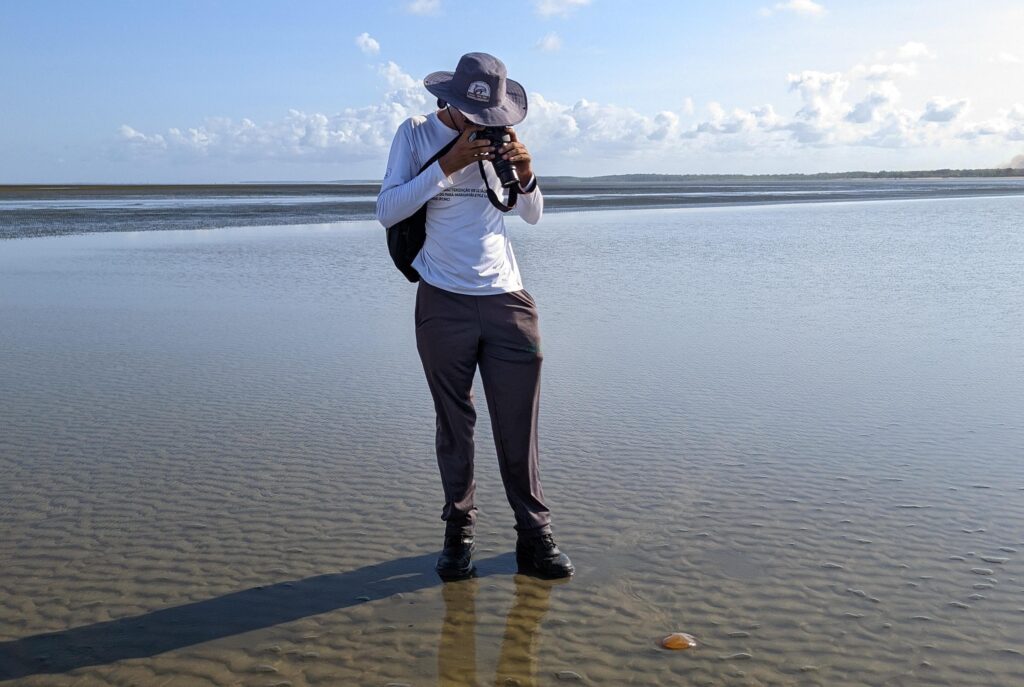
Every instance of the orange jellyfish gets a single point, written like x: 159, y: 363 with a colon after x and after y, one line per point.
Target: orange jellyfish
x: 679, y: 640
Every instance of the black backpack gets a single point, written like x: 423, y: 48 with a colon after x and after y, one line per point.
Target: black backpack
x: 405, y: 239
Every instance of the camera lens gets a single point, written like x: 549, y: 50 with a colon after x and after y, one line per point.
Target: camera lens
x: 498, y: 136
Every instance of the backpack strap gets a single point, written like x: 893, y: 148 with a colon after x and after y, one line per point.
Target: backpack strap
x: 405, y: 237
x: 439, y: 154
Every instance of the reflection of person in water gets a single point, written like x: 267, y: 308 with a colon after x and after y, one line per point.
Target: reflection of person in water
x: 517, y: 663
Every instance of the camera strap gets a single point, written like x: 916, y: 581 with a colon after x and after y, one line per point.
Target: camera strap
x: 513, y: 193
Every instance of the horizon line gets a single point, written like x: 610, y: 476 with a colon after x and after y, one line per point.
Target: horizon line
x: 944, y: 172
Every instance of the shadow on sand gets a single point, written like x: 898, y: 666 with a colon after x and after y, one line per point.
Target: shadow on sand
x: 251, y: 609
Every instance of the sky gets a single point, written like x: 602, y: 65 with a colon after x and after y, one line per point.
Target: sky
x: 221, y: 91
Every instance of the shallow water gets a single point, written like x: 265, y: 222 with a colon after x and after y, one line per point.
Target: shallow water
x: 793, y: 432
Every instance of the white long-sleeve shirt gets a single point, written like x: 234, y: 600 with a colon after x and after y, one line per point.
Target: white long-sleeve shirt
x: 467, y: 249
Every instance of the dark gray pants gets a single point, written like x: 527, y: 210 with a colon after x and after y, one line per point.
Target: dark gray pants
x: 500, y: 333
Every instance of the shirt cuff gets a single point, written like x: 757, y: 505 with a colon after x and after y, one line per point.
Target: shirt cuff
x: 530, y: 186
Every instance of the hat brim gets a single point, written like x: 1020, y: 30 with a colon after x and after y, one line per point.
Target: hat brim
x: 509, y: 112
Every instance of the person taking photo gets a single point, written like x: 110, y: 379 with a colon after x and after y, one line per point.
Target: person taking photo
x: 471, y: 308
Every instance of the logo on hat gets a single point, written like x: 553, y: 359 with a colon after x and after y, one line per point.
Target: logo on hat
x: 479, y: 90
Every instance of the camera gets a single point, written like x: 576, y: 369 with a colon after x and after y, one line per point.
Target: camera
x: 499, y: 136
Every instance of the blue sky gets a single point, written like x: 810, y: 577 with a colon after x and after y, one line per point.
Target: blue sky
x: 230, y: 91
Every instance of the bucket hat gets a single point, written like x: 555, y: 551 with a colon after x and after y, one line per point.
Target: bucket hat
x: 481, y: 90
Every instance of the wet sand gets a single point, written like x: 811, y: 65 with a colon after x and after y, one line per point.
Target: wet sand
x: 27, y: 211
x: 789, y: 431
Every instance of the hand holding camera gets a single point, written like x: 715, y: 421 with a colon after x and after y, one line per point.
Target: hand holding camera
x: 467, y: 150
x: 496, y: 143
x: 501, y: 139
x: 511, y: 159
x: 516, y: 153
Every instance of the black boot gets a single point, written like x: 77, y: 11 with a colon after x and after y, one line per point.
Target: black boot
x: 539, y: 555
x: 456, y: 559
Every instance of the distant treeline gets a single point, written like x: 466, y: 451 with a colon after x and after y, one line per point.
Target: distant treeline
x: 884, y: 174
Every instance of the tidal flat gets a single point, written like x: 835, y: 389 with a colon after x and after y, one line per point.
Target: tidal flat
x: 792, y: 431
x: 57, y: 210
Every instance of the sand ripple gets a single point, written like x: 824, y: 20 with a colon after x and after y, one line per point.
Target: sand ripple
x: 218, y: 469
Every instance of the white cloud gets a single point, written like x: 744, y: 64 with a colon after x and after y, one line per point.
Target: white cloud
x: 885, y: 72
x: 562, y: 8
x: 905, y: 64
x: 367, y: 44
x: 353, y: 133
x: 666, y: 124
x: 913, y: 50
x: 940, y: 109
x: 836, y: 110
x: 804, y: 7
x: 817, y: 122
x: 869, y: 109
x: 550, y: 43
x: 897, y: 129
x: 130, y: 135
x: 423, y: 6
x: 396, y: 78
x: 722, y: 122
x: 1009, y: 58
x: 1008, y: 124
